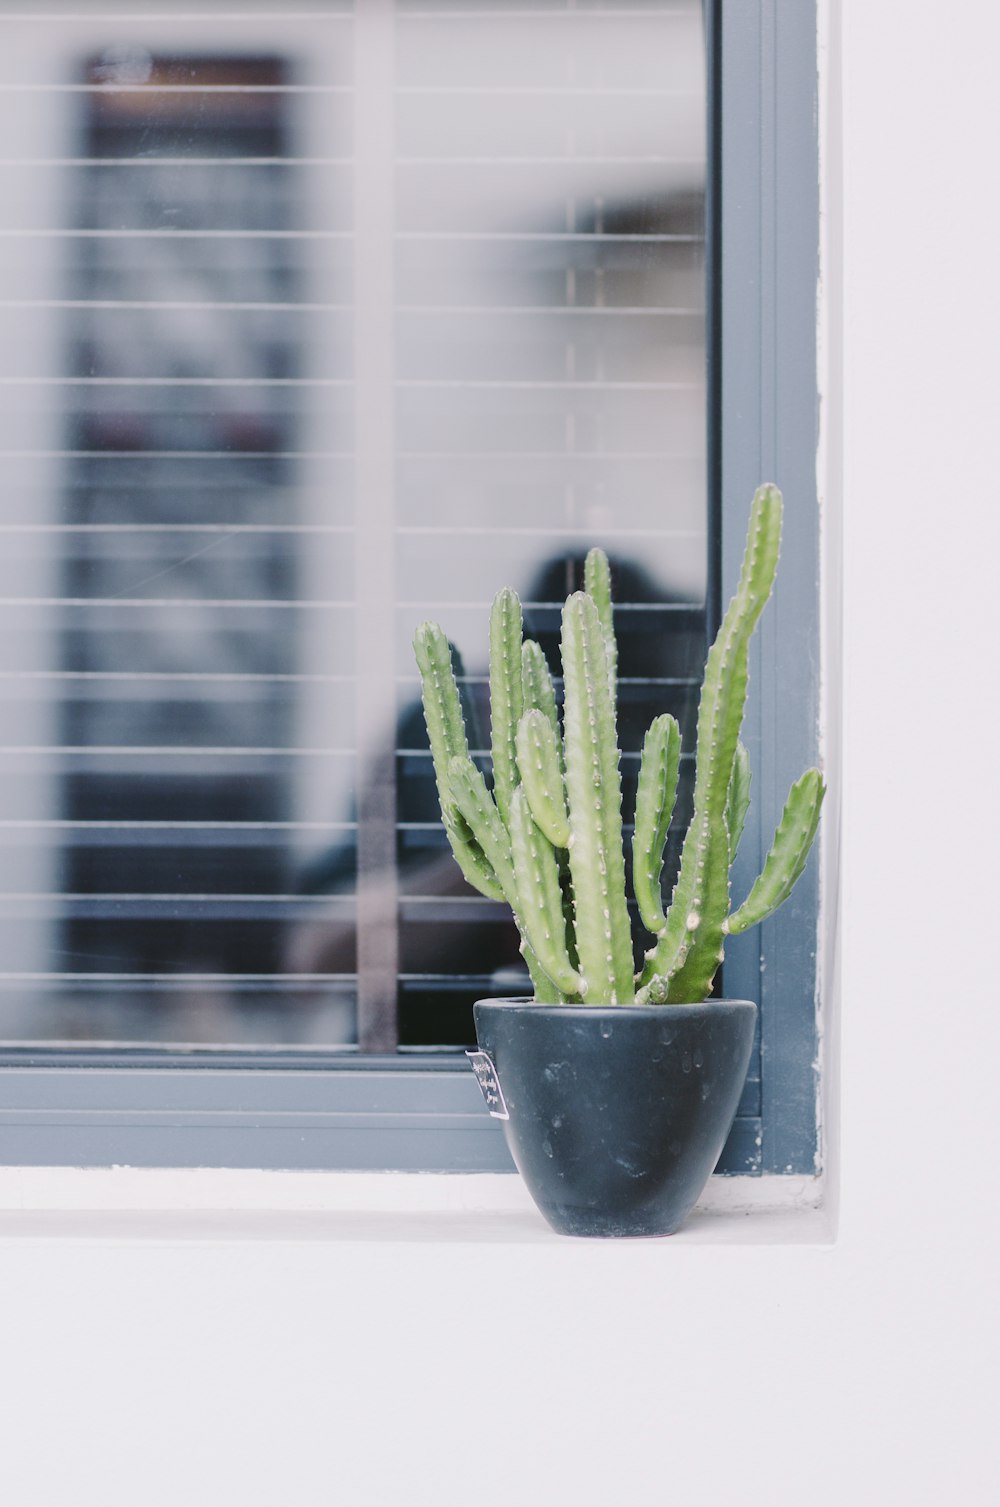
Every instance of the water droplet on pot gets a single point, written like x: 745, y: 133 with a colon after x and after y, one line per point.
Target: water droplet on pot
x: 547, y: 1147
x: 606, y: 1029
x: 698, y: 1058
x: 686, y: 1062
x: 666, y: 1037
x: 556, y: 1121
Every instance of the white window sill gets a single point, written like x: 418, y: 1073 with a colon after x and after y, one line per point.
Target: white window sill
x: 223, y: 1204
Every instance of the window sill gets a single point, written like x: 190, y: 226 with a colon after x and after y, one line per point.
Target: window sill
x: 125, y: 1203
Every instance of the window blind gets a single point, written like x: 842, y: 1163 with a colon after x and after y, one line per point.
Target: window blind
x: 319, y: 323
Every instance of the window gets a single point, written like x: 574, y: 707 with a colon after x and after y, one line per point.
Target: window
x: 320, y: 323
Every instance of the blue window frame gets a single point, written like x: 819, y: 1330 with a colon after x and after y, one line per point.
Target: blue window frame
x: 422, y: 1111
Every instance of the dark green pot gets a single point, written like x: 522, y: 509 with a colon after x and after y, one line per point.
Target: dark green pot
x: 617, y: 1114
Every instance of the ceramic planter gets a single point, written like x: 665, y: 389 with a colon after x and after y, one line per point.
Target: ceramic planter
x: 615, y: 1115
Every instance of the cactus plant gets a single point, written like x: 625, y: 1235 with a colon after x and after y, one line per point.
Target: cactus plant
x: 548, y: 837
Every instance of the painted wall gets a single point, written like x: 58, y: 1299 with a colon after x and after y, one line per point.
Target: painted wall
x: 226, y: 1370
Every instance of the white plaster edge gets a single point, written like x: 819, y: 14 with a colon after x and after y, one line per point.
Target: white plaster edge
x: 230, y: 1190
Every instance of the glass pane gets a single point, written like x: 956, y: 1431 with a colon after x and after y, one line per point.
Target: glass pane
x: 314, y: 326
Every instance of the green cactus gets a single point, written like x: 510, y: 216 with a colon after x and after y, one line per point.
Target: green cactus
x: 548, y: 838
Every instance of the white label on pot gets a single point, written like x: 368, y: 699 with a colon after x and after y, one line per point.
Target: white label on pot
x: 486, y: 1077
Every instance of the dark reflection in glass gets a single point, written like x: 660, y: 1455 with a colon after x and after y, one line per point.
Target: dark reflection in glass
x: 196, y: 714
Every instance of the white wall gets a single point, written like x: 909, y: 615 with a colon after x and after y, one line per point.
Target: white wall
x: 420, y: 1370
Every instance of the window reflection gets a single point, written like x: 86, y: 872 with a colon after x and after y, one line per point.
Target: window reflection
x: 188, y: 749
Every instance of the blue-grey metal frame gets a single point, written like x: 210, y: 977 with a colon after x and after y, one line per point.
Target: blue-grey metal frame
x: 423, y: 1112
x: 769, y: 425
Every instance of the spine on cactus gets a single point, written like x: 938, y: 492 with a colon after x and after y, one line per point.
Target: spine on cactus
x: 593, y: 784
x: 688, y: 952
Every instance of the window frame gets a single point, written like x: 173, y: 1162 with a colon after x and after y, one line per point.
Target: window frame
x: 422, y: 1111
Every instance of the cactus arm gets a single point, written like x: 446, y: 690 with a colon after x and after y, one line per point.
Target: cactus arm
x: 470, y: 797
x: 738, y: 799
x: 506, y: 695
x: 446, y: 733
x: 597, y: 585
x: 691, y: 979
x: 536, y: 682
x: 686, y: 968
x: 593, y: 782
x: 787, y: 858
x: 541, y: 776
x: 468, y: 813
x: 442, y: 703
x: 469, y: 856
x: 540, y: 909
x: 475, y: 804
x: 720, y: 716
x: 654, y: 806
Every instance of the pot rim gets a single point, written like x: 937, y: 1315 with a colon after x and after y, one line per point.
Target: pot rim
x: 618, y: 1012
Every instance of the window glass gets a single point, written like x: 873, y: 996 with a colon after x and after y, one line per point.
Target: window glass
x: 315, y: 325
